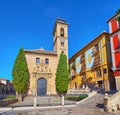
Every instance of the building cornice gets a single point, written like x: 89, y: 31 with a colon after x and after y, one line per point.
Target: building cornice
x: 38, y: 51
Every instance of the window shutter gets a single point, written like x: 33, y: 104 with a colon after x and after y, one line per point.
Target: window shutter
x: 115, y: 42
x: 117, y: 59
x: 114, y: 25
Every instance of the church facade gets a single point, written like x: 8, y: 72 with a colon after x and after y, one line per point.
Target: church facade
x: 42, y: 64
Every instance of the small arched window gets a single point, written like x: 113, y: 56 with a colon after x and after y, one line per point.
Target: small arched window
x: 46, y: 61
x: 37, y: 60
x: 62, y: 32
x: 62, y: 44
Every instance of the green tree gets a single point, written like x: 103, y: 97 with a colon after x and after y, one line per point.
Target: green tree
x: 118, y: 11
x: 20, y: 74
x: 62, y: 76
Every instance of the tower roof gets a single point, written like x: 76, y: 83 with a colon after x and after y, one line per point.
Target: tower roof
x: 59, y: 20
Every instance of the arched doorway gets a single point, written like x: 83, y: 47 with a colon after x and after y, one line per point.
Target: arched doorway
x: 41, y: 86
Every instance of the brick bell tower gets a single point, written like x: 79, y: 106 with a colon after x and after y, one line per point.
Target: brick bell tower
x: 60, y: 34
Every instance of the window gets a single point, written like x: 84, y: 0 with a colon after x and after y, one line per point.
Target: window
x: 62, y: 32
x: 114, y: 25
x: 83, y: 77
x: 46, y: 61
x: 37, y: 60
x: 115, y: 42
x: 117, y: 59
x: 96, y: 47
x: 98, y: 73
x: 104, y: 70
x: 62, y: 43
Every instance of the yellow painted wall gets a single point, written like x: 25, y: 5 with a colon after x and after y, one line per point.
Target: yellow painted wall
x: 101, y: 40
x: 78, y: 80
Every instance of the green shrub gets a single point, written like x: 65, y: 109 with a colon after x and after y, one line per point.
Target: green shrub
x: 75, y: 98
x: 10, y: 97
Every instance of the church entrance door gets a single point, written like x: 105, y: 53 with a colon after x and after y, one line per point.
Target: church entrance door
x: 41, y: 86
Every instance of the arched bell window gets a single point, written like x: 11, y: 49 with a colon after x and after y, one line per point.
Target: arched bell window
x: 62, y: 32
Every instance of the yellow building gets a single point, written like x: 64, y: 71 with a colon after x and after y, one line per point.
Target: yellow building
x: 91, y: 65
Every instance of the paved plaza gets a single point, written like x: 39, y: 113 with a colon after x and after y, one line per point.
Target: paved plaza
x: 90, y: 106
x: 67, y: 110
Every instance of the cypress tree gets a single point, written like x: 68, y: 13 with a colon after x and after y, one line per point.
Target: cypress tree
x: 20, y: 73
x: 62, y: 75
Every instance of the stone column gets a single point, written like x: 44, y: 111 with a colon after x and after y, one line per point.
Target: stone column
x: 117, y: 80
x: 35, y: 91
x: 35, y: 99
x: 49, y: 85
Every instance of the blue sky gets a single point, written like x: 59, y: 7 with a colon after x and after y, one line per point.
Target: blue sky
x: 29, y: 24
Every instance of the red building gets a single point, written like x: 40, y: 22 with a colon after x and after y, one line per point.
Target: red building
x: 114, y: 30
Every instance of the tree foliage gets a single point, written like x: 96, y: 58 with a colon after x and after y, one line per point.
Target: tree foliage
x: 20, y: 73
x: 118, y: 11
x: 62, y: 74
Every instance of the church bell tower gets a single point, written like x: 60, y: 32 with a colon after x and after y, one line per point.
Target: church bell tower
x: 60, y: 34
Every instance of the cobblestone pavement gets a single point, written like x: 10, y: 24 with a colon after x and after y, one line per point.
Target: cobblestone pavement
x: 91, y: 106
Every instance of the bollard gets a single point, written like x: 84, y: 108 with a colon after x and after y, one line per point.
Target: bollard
x: 35, y: 100
x: 12, y: 111
x: 106, y: 102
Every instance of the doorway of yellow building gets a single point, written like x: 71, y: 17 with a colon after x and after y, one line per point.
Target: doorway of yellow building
x: 100, y: 84
x: 75, y: 85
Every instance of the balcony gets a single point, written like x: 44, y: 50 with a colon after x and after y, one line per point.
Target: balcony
x: 97, y: 60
